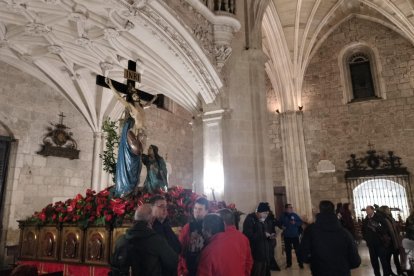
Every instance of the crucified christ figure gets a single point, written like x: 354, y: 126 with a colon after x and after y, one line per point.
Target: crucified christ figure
x: 129, y: 164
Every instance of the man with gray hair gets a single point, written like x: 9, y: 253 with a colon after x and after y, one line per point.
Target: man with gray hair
x: 141, y: 250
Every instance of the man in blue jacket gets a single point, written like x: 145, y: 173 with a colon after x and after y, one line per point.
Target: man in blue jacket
x: 292, y: 225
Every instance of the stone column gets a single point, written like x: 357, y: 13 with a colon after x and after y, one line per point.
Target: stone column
x: 247, y: 162
x: 295, y: 164
x: 208, y: 153
x: 213, y: 178
x: 98, y: 138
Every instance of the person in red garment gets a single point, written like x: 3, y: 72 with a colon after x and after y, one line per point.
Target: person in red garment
x: 240, y: 245
x: 218, y: 257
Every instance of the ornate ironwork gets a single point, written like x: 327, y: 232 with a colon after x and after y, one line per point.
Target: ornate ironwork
x: 375, y: 164
x: 59, y: 142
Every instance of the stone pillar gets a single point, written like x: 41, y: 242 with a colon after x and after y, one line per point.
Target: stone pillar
x: 295, y: 164
x: 247, y: 162
x: 213, y: 178
x: 98, y: 138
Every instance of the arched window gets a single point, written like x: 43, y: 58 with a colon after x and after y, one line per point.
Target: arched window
x: 381, y: 191
x: 360, y: 71
x: 361, y: 77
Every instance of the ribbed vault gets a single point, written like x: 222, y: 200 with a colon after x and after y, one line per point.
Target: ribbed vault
x: 293, y: 30
x: 66, y: 43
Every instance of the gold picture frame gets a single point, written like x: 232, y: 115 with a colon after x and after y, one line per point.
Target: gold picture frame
x: 97, y: 246
x: 71, y: 246
x: 116, y: 234
x: 48, y: 243
x: 29, y: 241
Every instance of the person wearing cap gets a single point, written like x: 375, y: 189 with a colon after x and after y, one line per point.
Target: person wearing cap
x: 255, y: 229
x: 292, y: 225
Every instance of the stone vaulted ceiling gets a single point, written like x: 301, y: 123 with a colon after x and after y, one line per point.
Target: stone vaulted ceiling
x: 66, y: 43
x: 293, y: 30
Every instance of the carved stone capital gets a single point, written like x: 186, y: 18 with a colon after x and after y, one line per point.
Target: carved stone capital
x: 37, y: 29
x: 222, y: 53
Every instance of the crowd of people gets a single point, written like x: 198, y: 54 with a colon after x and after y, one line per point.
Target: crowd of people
x: 211, y: 245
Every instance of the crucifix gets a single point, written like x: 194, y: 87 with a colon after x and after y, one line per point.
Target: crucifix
x: 132, y: 76
x: 61, y: 118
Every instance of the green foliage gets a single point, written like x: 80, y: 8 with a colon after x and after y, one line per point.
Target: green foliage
x: 112, y: 140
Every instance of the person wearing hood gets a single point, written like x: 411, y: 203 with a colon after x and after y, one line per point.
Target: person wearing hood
x: 254, y: 228
x: 327, y: 246
x: 142, y: 250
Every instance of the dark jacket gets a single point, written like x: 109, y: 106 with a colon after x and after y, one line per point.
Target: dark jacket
x: 145, y: 251
x: 255, y: 230
x: 375, y: 231
x: 329, y: 248
x: 164, y: 229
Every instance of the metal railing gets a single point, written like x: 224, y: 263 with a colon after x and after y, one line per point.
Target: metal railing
x: 228, y: 6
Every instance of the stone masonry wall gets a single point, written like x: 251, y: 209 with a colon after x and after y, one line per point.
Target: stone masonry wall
x: 173, y: 135
x: 27, y: 106
x: 334, y: 130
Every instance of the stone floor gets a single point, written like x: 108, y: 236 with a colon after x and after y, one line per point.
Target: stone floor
x: 364, y: 270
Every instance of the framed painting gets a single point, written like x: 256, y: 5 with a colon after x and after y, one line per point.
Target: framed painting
x: 97, y: 245
x: 48, y: 243
x: 29, y: 241
x: 71, y: 244
x: 116, y: 234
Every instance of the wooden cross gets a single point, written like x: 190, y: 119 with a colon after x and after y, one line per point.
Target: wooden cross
x: 371, y: 146
x: 61, y: 118
x: 132, y: 76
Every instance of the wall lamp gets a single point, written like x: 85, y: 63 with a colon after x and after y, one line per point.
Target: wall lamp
x: 277, y: 111
x: 300, y: 107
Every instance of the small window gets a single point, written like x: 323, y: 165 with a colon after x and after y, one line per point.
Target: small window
x: 361, y: 77
x: 361, y: 73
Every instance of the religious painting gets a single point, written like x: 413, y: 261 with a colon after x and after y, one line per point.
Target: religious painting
x: 116, y: 234
x: 28, y: 242
x: 48, y: 238
x: 71, y: 244
x: 97, y: 249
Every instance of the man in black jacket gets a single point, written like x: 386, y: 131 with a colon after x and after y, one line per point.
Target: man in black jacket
x: 161, y: 223
x: 254, y: 228
x: 327, y: 246
x: 376, y: 233
x: 142, y: 250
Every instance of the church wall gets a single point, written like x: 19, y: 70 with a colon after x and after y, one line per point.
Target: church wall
x: 333, y: 130
x: 27, y: 106
x: 172, y: 133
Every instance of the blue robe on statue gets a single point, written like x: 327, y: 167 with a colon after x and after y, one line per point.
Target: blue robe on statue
x: 156, y: 174
x: 129, y: 165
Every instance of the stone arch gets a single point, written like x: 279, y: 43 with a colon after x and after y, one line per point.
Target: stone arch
x: 381, y: 192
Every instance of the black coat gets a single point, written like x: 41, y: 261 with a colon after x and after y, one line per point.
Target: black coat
x: 375, y: 231
x: 329, y: 248
x: 164, y: 229
x: 145, y: 251
x: 255, y: 230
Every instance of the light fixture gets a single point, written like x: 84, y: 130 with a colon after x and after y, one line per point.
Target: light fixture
x: 300, y: 107
x: 277, y: 111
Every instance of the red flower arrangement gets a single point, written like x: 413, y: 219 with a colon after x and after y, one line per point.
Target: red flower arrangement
x: 104, y: 209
